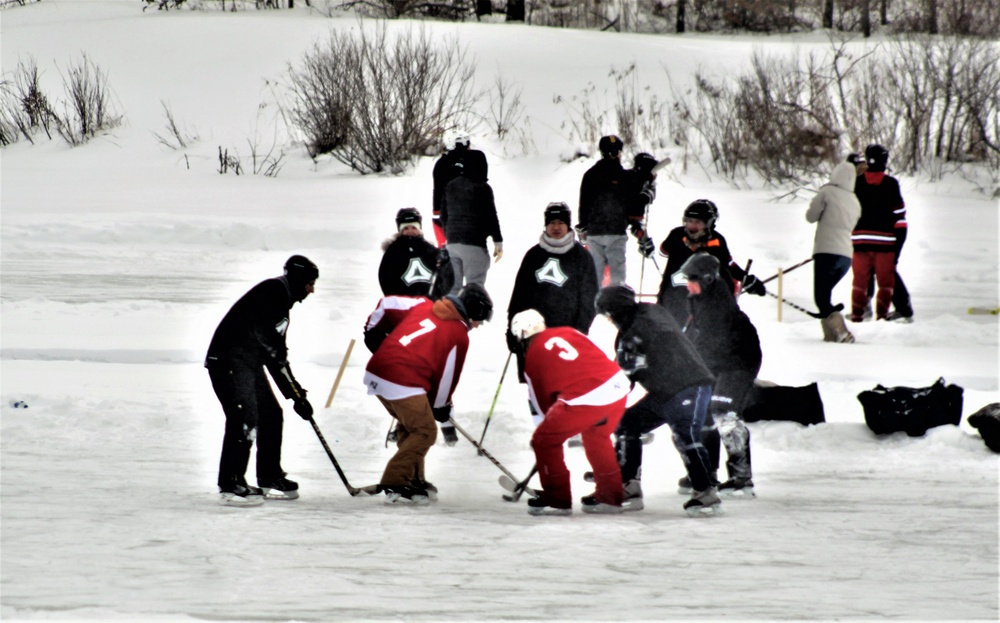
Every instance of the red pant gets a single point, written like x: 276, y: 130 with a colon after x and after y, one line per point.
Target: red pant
x: 562, y: 422
x: 884, y: 264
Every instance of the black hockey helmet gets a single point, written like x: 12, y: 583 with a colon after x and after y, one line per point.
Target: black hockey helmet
x: 610, y: 145
x: 408, y: 216
x: 558, y: 211
x: 877, y: 157
x: 855, y: 158
x: 477, y: 302
x: 300, y: 272
x: 644, y: 162
x: 703, y: 210
x: 701, y: 267
x: 618, y: 302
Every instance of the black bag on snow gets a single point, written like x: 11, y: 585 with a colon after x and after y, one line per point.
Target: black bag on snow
x: 987, y: 420
x: 911, y: 410
x: 787, y: 404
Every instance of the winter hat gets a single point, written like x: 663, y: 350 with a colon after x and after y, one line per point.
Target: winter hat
x: 558, y: 211
x: 474, y: 166
x: 409, y: 216
x: 855, y: 158
x: 617, y: 301
x: 610, y: 145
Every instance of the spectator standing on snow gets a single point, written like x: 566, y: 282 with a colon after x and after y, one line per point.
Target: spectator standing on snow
x: 880, y: 197
x: 653, y: 352
x: 835, y: 210
x: 448, y: 167
x: 469, y: 217
x: 557, y: 279
x: 410, y: 265
x: 698, y: 233
x: 580, y: 391
x: 728, y: 344
x: 605, y: 210
x: 414, y: 373
x: 249, y: 339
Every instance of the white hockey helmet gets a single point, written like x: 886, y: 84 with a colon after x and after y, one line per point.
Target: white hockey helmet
x: 456, y: 137
x: 526, y: 324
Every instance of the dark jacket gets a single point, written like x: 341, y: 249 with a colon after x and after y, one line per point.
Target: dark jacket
x: 559, y: 282
x: 882, y: 226
x: 468, y: 210
x: 676, y: 246
x: 652, y: 351
x: 408, y: 266
x: 252, y: 334
x: 603, y: 199
x: 723, y: 335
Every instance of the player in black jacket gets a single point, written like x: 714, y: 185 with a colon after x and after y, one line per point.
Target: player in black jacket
x: 469, y: 217
x: 698, y: 234
x: 412, y: 266
x: 250, y: 338
x: 653, y: 352
x: 557, y: 278
x: 728, y: 343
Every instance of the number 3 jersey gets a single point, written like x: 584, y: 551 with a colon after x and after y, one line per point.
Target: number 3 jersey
x: 424, y: 354
x: 563, y: 364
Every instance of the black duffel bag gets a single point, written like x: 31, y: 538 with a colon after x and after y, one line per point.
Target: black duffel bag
x: 911, y: 410
x: 788, y: 404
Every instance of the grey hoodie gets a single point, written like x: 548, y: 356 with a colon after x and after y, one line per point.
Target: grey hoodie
x: 836, y: 210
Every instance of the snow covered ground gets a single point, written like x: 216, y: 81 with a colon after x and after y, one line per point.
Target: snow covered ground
x: 119, y: 258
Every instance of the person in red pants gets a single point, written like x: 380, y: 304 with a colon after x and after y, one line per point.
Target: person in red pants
x: 580, y: 391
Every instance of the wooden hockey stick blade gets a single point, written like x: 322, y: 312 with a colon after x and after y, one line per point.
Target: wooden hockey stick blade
x: 508, y: 483
x: 367, y: 490
x: 985, y: 311
x: 659, y: 165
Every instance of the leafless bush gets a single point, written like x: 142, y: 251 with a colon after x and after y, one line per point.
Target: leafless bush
x: 25, y: 108
x: 229, y: 163
x: 374, y: 103
x: 634, y: 113
x: 505, y: 115
x: 89, y: 109
x: 392, y: 9
x: 174, y: 134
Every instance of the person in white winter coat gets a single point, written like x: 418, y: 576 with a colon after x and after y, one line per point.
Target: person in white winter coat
x: 835, y: 210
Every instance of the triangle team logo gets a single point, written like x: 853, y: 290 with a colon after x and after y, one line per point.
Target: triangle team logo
x: 417, y: 272
x: 551, y: 272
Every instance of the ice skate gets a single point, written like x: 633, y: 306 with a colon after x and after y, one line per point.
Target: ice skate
x: 591, y: 505
x: 450, y: 436
x: 279, y: 488
x: 703, y: 503
x: 402, y: 495
x: 737, y: 488
x: 240, y: 494
x: 684, y: 484
x: 541, y: 506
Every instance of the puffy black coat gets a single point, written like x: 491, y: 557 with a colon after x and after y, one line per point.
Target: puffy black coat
x: 408, y: 266
x: 468, y: 210
x: 252, y: 333
x: 604, y: 194
x: 652, y: 351
x: 720, y: 331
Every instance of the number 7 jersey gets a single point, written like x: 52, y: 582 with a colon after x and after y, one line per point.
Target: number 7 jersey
x: 563, y: 364
x: 423, y: 354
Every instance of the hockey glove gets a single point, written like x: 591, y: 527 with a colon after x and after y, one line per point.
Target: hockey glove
x: 443, y: 257
x: 512, y: 344
x: 303, y: 408
x: 646, y: 247
x: 442, y: 414
x: 581, y: 234
x: 753, y: 285
x: 648, y: 191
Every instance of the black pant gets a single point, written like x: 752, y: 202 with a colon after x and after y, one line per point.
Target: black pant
x: 252, y: 412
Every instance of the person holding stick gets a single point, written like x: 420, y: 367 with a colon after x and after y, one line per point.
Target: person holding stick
x: 249, y: 339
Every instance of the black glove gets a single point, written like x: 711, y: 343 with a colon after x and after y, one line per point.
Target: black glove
x: 753, y: 285
x: 648, y: 191
x: 646, y: 247
x: 442, y: 414
x: 443, y: 257
x: 512, y: 344
x: 303, y: 408
x: 581, y: 234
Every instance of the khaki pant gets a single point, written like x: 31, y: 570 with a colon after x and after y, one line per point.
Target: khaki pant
x: 416, y: 433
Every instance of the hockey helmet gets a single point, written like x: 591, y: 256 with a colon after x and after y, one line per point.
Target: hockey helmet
x: 300, y: 270
x: 408, y: 216
x: 703, y: 210
x: 456, y: 138
x: 477, y: 302
x: 701, y: 267
x: 644, y: 162
x: 526, y: 324
x: 616, y: 301
x: 877, y: 157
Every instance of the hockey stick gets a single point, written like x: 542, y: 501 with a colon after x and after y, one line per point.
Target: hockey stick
x: 522, y: 486
x: 489, y: 416
x: 743, y: 282
x: 792, y: 305
x: 340, y: 373
x: 352, y: 490
x: 482, y: 451
x: 785, y: 271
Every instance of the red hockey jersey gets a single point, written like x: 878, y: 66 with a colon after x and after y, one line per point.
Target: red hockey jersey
x: 563, y: 364
x: 424, y: 354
